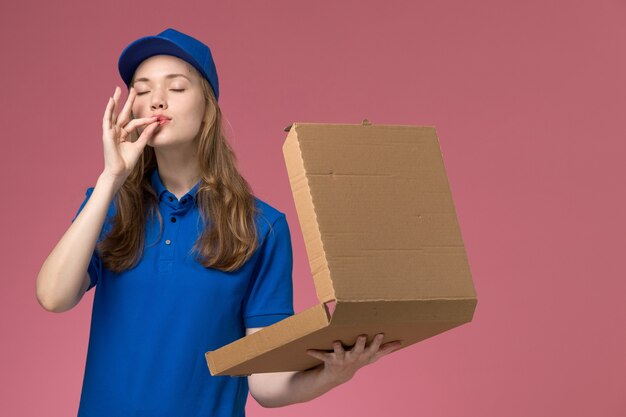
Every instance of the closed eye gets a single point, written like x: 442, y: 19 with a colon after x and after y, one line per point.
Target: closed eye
x: 139, y: 94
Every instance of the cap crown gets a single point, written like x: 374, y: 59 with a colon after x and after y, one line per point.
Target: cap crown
x: 169, y: 42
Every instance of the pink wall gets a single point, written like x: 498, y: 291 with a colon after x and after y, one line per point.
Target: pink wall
x: 528, y: 99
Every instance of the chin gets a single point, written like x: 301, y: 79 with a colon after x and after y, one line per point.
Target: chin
x: 165, y: 140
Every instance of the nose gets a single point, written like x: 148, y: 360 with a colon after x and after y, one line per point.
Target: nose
x: 158, y: 101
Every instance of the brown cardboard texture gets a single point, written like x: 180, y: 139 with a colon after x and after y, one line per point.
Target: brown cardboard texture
x: 383, y: 242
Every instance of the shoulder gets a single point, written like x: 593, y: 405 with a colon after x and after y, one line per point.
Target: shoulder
x: 267, y: 217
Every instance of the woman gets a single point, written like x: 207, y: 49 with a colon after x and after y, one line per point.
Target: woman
x: 184, y: 257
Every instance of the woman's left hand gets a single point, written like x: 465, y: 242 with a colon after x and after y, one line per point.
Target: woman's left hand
x: 341, y: 365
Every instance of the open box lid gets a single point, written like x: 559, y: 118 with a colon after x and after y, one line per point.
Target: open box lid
x: 376, y: 212
x: 382, y: 239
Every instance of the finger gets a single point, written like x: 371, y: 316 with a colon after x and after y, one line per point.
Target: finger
x: 389, y: 347
x: 124, y: 116
x: 339, y: 351
x: 375, y: 345
x: 359, y: 346
x: 146, y: 134
x: 106, y: 119
x: 124, y: 134
x: 116, y: 97
x: 139, y: 122
x: 317, y: 354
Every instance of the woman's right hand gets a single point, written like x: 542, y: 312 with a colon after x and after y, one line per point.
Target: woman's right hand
x: 121, y: 155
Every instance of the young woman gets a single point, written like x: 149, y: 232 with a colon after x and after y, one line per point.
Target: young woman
x: 184, y: 258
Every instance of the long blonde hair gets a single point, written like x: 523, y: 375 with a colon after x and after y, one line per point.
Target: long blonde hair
x: 224, y: 198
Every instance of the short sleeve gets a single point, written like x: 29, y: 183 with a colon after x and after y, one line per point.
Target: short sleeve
x: 270, y: 298
x: 95, y: 264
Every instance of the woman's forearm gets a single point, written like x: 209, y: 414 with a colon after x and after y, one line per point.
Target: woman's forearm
x: 60, y: 282
x: 284, y: 388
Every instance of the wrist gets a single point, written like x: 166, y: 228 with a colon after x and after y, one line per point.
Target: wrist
x: 331, y: 380
x: 109, y: 182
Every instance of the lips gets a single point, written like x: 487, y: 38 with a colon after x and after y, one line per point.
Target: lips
x: 163, y: 120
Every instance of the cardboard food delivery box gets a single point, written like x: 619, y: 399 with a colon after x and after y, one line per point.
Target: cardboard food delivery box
x: 383, y: 243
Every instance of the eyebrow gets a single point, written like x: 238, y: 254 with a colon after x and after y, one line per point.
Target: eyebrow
x: 167, y: 76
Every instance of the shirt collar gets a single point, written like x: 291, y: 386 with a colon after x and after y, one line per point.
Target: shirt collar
x: 160, y: 189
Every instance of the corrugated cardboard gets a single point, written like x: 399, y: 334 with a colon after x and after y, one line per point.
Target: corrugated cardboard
x: 383, y: 243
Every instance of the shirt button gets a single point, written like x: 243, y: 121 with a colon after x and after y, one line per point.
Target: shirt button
x: 167, y: 242
x: 171, y: 198
x: 184, y: 200
x: 173, y: 219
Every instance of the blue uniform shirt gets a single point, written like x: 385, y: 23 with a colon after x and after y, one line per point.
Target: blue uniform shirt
x: 151, y: 325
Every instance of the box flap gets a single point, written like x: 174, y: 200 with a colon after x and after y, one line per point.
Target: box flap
x: 272, y: 347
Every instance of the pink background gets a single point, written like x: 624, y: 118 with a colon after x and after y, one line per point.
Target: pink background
x: 528, y: 99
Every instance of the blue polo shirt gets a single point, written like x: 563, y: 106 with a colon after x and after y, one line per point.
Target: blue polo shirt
x: 151, y: 325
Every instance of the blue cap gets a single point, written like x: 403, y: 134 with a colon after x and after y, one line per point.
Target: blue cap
x: 169, y: 42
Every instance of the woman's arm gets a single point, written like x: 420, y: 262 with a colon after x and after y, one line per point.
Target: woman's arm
x: 278, y: 389
x: 61, y: 280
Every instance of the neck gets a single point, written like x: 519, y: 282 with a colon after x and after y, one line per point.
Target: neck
x: 178, y: 169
